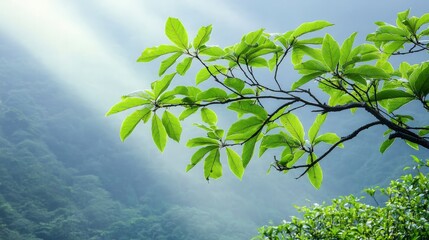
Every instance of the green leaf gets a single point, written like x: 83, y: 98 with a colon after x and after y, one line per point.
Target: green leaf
x: 208, y: 116
x: 315, y: 174
x: 212, y: 94
x: 127, y: 103
x: 330, y: 138
x: 294, y: 126
x: 244, y: 128
x: 296, y: 156
x: 152, y: 53
x: 386, y: 144
x: 166, y: 64
x: 310, y: 27
x: 187, y: 112
x: 235, y: 163
x: 172, y: 125
x: 206, y: 73
x: 159, y: 133
x: 390, y: 94
x: 274, y: 141
x: 424, y: 19
x: 201, y: 141
x: 346, y: 49
x: 299, y: 51
x: 131, y: 121
x: 330, y: 52
x: 315, y: 127
x: 184, y: 66
x: 161, y: 85
x: 368, y: 71
x: 202, y: 37
x: 418, y: 80
x: 249, y: 106
x: 212, y: 165
x: 305, y: 79
x: 313, y: 65
x: 234, y: 83
x: 248, y: 150
x: 252, y: 38
x: 415, y: 146
x: 198, y: 155
x: 213, y: 51
x: 176, y: 32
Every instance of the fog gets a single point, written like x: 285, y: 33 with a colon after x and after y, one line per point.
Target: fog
x: 89, y: 50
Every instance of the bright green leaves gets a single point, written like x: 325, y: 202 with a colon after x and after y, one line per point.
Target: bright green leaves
x: 131, y: 121
x: 235, y: 163
x: 150, y: 54
x: 419, y: 80
x: 346, y: 49
x: 248, y: 107
x: 159, y: 134
x: 243, y: 129
x: 202, y: 37
x: 314, y: 173
x: 206, y: 73
x: 330, y: 52
x: 212, y: 165
x: 176, y: 32
x: 208, y: 116
x: 161, y: 85
x: 310, y: 27
x: 294, y: 126
x: 172, y: 126
x: 314, y: 129
x: 127, y: 103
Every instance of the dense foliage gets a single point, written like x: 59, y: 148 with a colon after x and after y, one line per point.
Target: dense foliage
x: 333, y: 78
x: 405, y: 214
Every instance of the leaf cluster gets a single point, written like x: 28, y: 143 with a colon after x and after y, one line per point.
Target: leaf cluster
x: 342, y: 76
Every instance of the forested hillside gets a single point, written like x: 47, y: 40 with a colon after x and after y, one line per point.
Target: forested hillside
x: 62, y: 178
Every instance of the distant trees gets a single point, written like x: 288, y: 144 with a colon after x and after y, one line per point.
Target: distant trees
x: 333, y: 78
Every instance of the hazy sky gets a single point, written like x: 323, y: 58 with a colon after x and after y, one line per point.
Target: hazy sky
x: 90, y: 47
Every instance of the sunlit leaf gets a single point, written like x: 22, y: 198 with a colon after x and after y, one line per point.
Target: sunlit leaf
x: 176, y: 32
x: 131, y: 121
x: 315, y: 174
x: 172, y: 125
x: 310, y: 27
x: 208, y: 116
x: 235, y: 163
x: 184, y: 66
x: 159, y: 134
x: 244, y: 128
x: 206, y: 73
x: 294, y: 126
x: 198, y: 155
x: 202, y: 141
x: 152, y: 53
x: 248, y: 149
x: 166, y: 64
x: 127, y: 103
x: 202, y: 37
x: 212, y: 165
x: 330, y: 52
x: 161, y: 85
x: 249, y: 106
x: 346, y: 48
x: 314, y: 129
x: 187, y: 112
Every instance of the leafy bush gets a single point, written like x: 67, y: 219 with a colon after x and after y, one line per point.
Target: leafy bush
x: 405, y: 214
